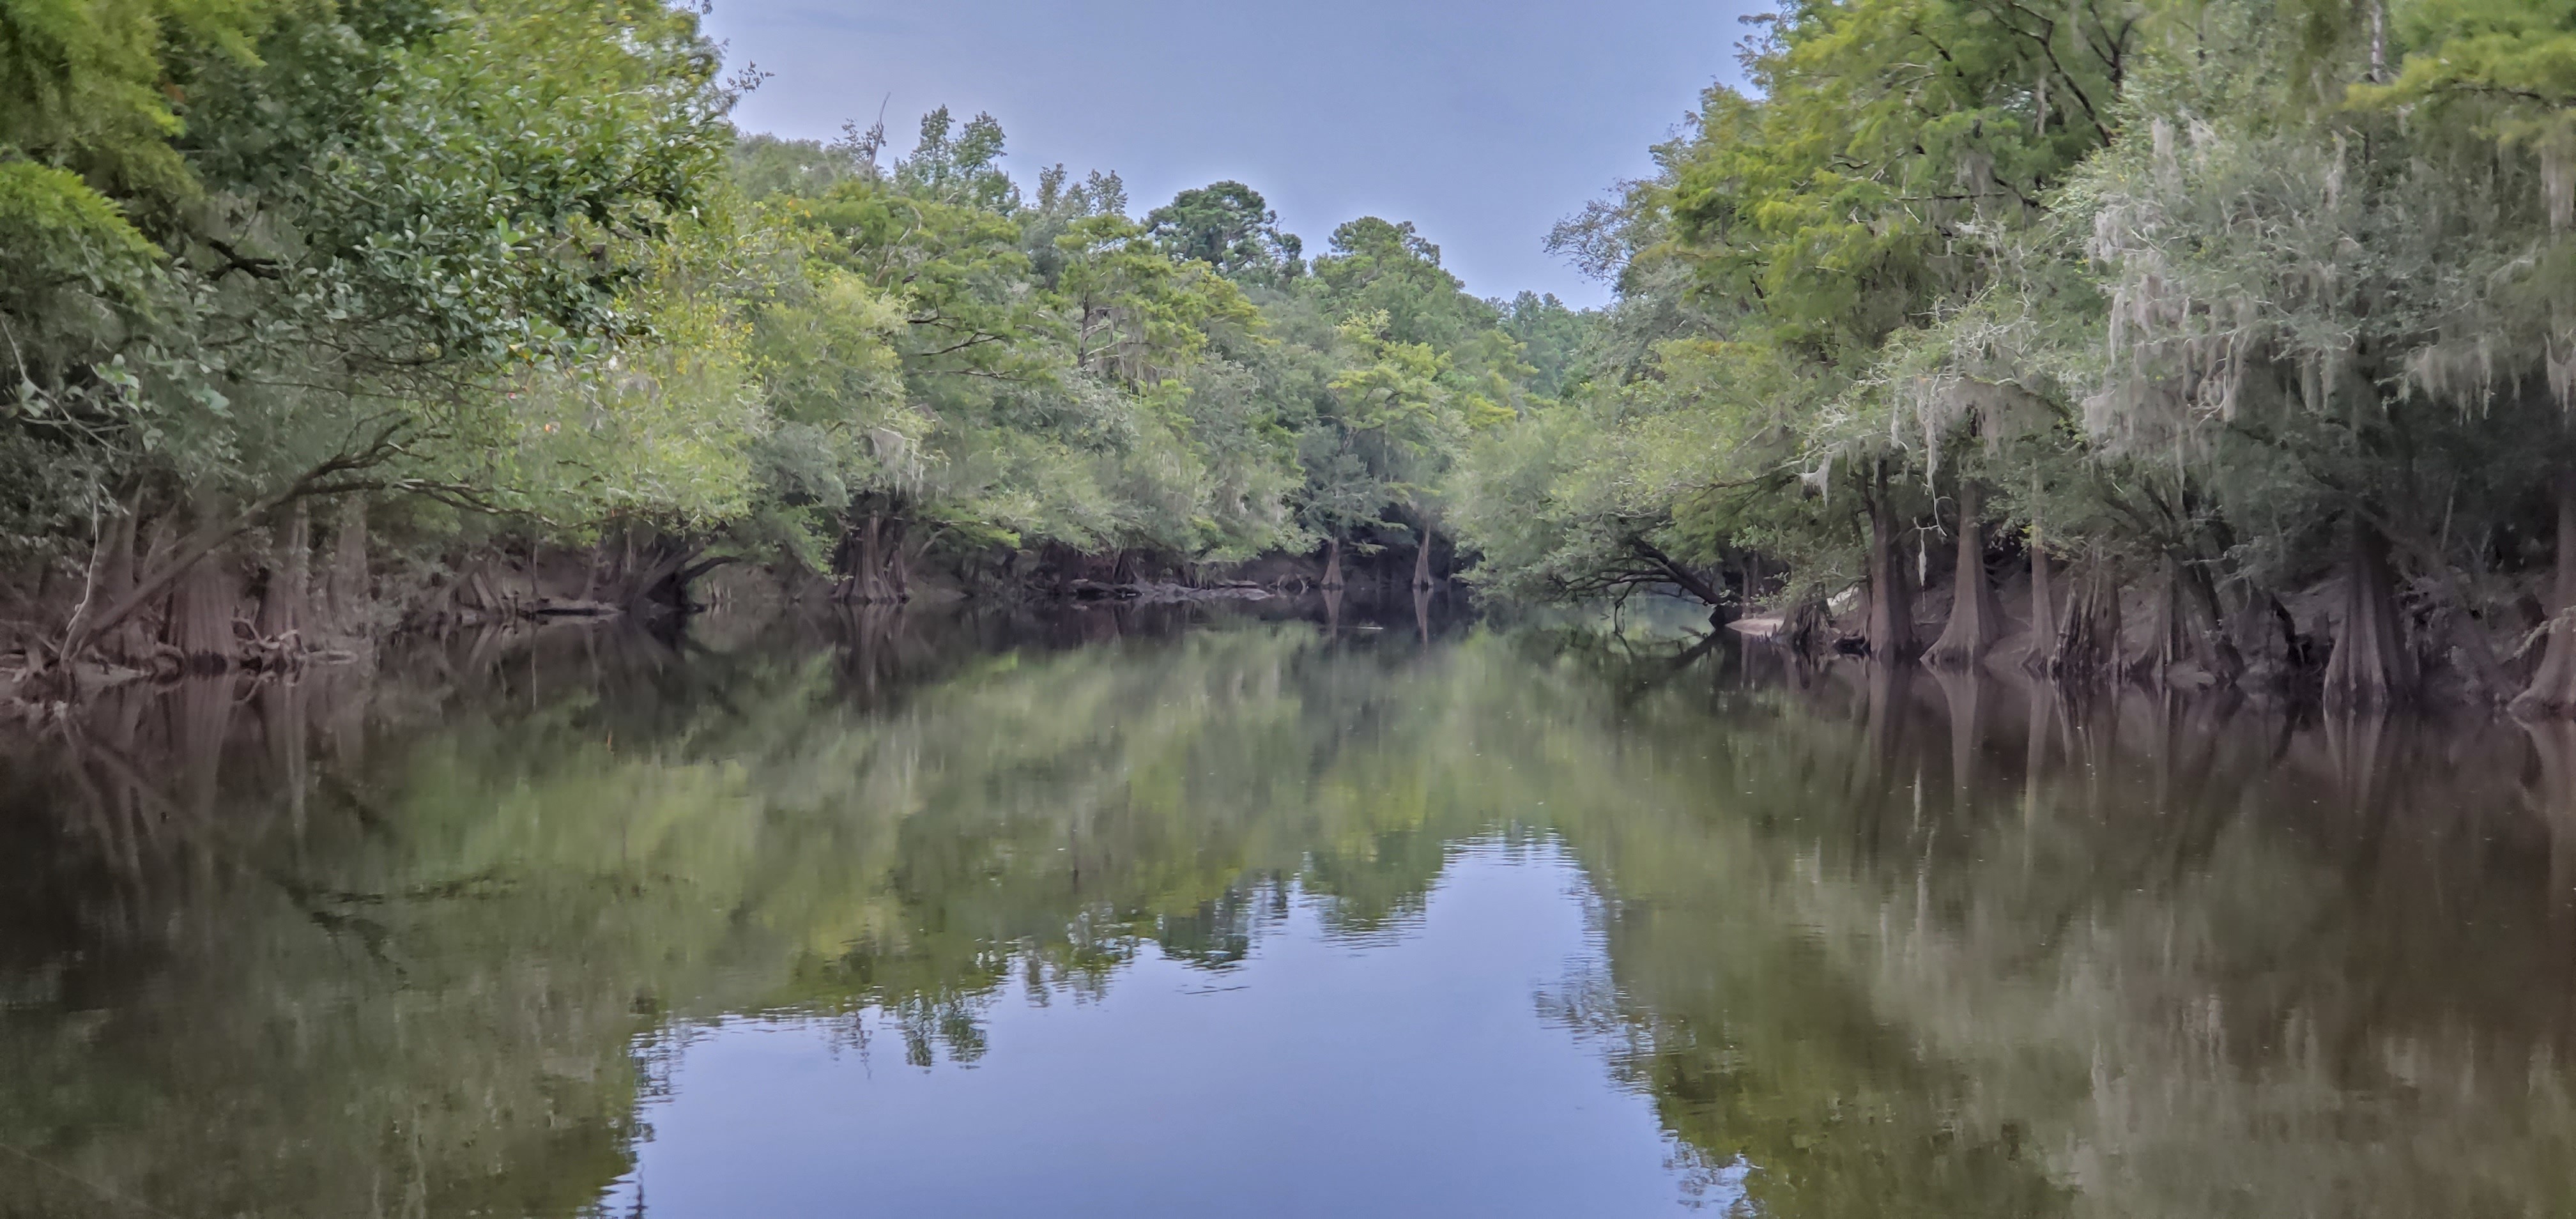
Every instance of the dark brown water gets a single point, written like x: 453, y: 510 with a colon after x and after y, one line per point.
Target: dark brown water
x: 1139, y: 915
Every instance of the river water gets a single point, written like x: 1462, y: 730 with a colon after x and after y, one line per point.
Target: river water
x: 1201, y: 912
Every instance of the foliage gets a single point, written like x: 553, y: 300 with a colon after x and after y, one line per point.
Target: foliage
x: 512, y: 261
x: 2212, y: 289
x: 1228, y: 226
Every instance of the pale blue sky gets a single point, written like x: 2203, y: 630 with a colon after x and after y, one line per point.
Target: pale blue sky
x: 1482, y: 123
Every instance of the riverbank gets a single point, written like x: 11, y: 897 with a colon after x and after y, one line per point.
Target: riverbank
x: 272, y: 612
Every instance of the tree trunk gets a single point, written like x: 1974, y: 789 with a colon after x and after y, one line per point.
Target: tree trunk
x: 126, y: 643
x: 2553, y: 685
x: 663, y: 581
x: 898, y: 565
x: 219, y: 530
x: 1889, y: 626
x: 2164, y: 642
x: 871, y: 571
x: 2186, y: 630
x: 1976, y: 617
x: 873, y: 567
x: 201, y: 617
x: 2201, y: 623
x: 1422, y: 560
x: 2088, y: 641
x: 1804, y: 626
x: 2043, y: 609
x: 348, y: 582
x: 1332, y: 565
x: 1684, y: 578
x: 281, y: 601
x: 845, y: 576
x: 2370, y: 665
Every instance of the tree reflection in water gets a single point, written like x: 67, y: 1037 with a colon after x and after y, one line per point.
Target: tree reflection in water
x: 423, y: 940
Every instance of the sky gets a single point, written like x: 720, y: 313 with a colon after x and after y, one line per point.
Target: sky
x: 1484, y: 123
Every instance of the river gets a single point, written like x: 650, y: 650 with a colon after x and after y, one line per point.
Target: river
x: 1202, y: 911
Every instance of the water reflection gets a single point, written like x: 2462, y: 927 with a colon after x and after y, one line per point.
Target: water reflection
x: 446, y: 938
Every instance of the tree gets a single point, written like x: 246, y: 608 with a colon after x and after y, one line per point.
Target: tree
x: 1227, y: 225
x: 391, y: 215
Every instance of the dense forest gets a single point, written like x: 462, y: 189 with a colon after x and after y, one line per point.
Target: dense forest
x: 318, y: 316
x: 2238, y: 334
x: 2211, y: 340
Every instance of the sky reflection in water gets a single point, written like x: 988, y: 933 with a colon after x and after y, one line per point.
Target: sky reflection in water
x: 1411, y: 1073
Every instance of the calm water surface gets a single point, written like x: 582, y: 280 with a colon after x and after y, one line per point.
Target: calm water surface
x: 1190, y: 914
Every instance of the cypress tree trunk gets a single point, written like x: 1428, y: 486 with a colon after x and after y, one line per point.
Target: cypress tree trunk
x: 281, y: 602
x: 2370, y: 665
x: 1803, y: 627
x: 2186, y: 629
x: 299, y: 569
x: 1332, y: 580
x: 845, y: 578
x: 873, y: 570
x: 2553, y: 686
x: 2088, y: 641
x: 2164, y: 641
x: 348, y: 581
x: 898, y: 569
x: 2043, y: 609
x: 871, y: 561
x: 1422, y: 560
x: 2202, y: 624
x: 127, y: 643
x: 1889, y: 626
x: 134, y: 635
x: 1976, y: 617
x: 2264, y: 638
x: 201, y: 616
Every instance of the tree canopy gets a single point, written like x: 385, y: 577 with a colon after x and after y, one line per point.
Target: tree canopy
x: 2230, y: 300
